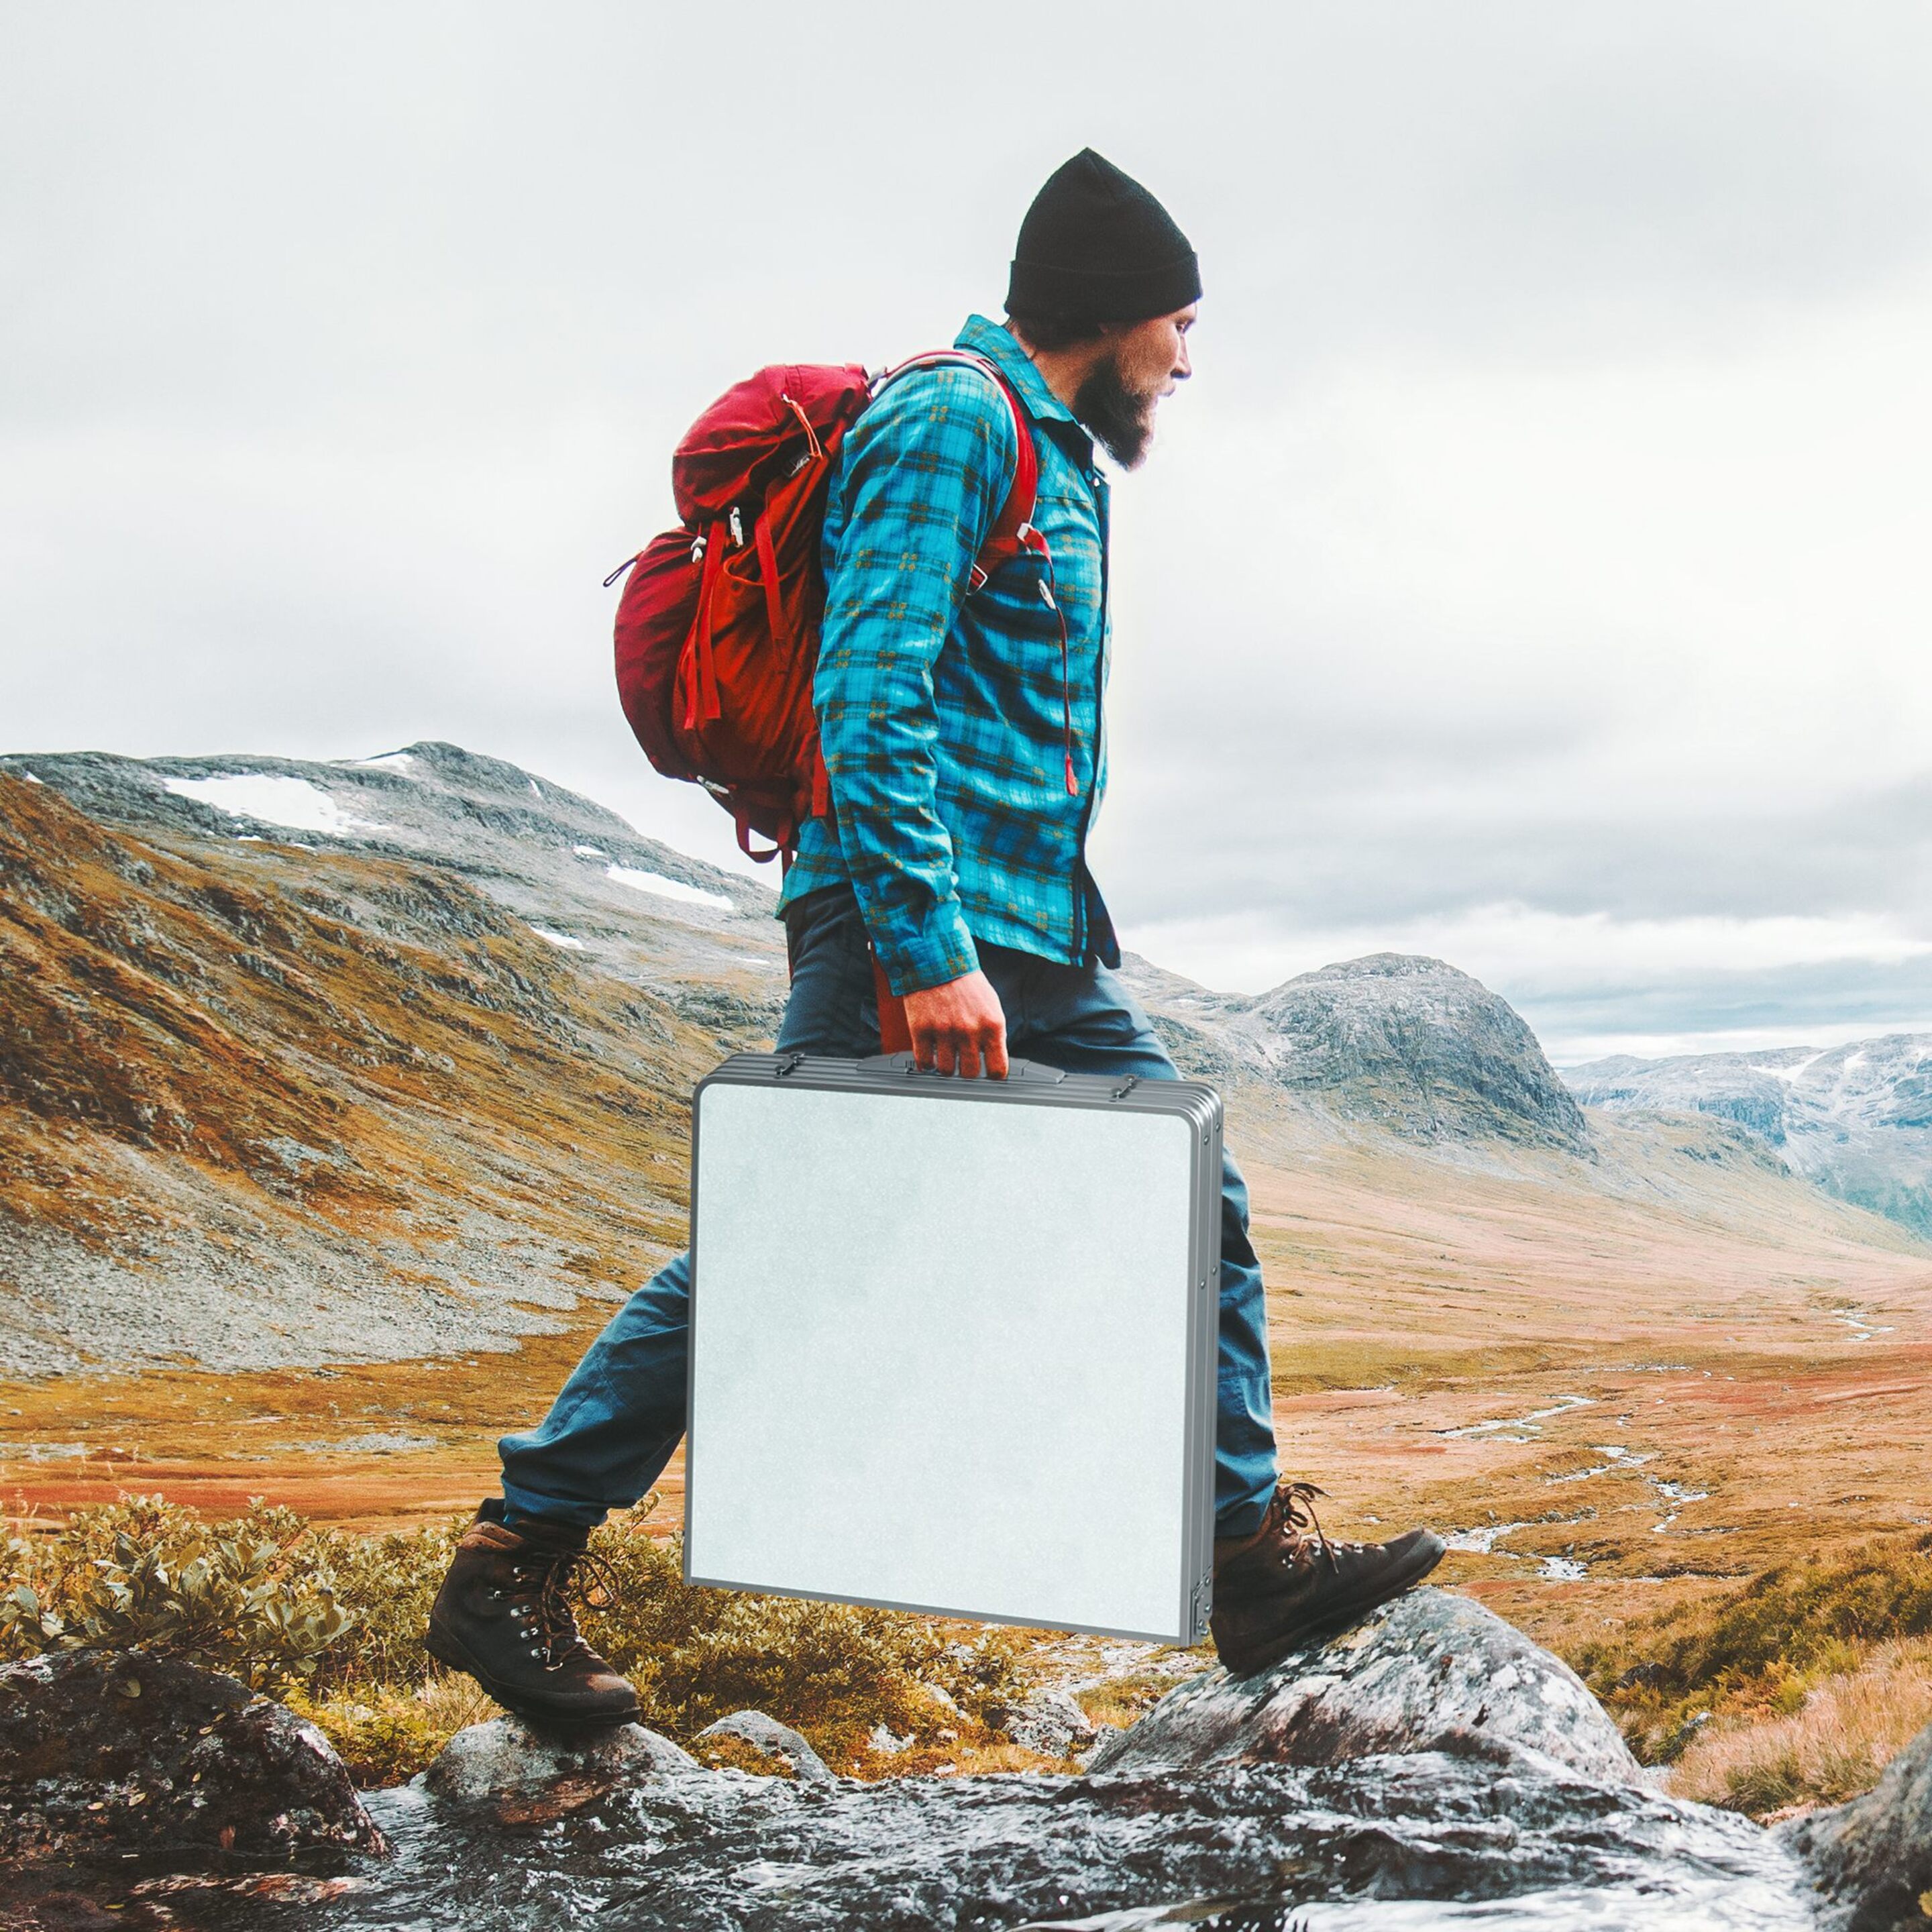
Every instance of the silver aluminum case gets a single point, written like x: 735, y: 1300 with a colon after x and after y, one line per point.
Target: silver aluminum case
x: 1029, y: 1084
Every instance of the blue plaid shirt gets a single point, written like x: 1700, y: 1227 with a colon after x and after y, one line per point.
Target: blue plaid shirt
x: 940, y: 709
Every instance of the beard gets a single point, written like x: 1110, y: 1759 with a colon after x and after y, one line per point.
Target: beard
x: 1119, y: 418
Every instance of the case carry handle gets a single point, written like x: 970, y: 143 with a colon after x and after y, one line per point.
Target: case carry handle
x: 1033, y: 1070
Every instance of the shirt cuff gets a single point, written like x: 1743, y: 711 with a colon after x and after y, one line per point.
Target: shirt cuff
x: 934, y: 955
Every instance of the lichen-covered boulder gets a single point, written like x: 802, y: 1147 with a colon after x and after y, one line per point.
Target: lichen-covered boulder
x: 1429, y: 1672
x: 787, y: 1753
x: 1051, y: 1723
x: 525, y: 1775
x: 116, y: 1750
x: 1872, y: 1858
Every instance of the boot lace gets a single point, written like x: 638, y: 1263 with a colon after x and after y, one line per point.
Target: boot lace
x: 1296, y: 1501
x: 544, y: 1605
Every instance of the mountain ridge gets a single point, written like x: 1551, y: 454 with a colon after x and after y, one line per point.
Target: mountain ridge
x: 1856, y: 1119
x: 1406, y: 1042
x: 411, y: 1075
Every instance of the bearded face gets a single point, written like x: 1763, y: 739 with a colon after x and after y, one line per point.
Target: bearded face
x: 1119, y: 417
x: 1117, y: 398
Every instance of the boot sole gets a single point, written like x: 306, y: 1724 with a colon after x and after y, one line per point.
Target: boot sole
x: 1337, y: 1619
x: 446, y: 1649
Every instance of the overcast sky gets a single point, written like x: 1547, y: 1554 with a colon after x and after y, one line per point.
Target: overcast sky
x: 1535, y: 573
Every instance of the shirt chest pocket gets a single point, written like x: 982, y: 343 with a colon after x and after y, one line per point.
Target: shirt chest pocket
x: 1065, y: 518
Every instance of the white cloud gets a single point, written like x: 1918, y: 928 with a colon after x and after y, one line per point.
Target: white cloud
x: 1579, y: 1049
x: 1529, y: 947
x: 1540, y: 531
x: 1501, y: 597
x: 1591, y: 984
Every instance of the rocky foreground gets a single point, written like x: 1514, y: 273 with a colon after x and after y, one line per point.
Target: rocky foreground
x: 1431, y: 1766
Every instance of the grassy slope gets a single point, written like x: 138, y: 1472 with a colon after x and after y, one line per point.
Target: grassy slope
x: 356, y: 1064
x: 1534, y: 1341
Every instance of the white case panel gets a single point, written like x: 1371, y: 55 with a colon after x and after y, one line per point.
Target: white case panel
x: 947, y: 1351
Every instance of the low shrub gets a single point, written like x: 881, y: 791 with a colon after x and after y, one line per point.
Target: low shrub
x: 386, y: 1584
x: 1831, y: 1746
x: 1796, y: 1615
x: 333, y: 1624
x: 1757, y: 1655
x: 1120, y: 1701
x: 146, y: 1574
x: 833, y: 1671
x: 386, y: 1735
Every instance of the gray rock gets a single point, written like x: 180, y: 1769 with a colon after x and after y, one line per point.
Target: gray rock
x: 1429, y: 1802
x: 526, y: 1775
x: 1872, y: 1858
x: 1051, y: 1723
x: 1413, y: 1044
x: 793, y: 1756
x: 1520, y: 1845
x: 114, y: 1750
x: 1392, y: 1040
x: 1430, y: 1672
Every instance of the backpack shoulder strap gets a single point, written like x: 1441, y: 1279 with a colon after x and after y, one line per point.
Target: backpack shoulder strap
x: 1012, y: 532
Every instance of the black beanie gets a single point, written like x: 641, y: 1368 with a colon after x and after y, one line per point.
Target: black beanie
x: 1096, y: 246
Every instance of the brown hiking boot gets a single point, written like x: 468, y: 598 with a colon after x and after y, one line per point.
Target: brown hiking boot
x: 503, y: 1614
x: 1288, y: 1583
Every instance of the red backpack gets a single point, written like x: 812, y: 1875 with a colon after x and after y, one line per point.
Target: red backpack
x: 717, y: 627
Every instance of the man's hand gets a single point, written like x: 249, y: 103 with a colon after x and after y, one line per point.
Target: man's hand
x: 959, y: 1027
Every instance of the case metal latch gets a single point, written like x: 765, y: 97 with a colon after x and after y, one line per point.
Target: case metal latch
x: 1125, y: 1087
x: 791, y: 1063
x: 1203, y: 1603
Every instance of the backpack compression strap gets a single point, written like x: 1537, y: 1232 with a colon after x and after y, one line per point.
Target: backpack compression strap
x: 1012, y: 532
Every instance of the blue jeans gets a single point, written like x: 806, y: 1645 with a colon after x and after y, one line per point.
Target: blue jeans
x: 619, y: 1417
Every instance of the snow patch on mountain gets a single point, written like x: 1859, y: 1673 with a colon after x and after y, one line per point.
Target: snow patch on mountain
x: 639, y: 881
x: 267, y: 799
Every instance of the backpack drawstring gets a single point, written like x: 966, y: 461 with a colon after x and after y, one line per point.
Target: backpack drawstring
x: 700, y: 701
x: 768, y: 571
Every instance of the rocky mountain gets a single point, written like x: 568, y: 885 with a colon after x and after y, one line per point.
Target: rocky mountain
x: 391, y: 1056
x: 1408, y: 1043
x: 576, y: 874
x: 1857, y: 1120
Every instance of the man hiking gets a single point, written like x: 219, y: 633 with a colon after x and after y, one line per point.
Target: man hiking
x: 961, y: 733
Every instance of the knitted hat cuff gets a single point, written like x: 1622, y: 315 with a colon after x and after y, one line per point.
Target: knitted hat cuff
x: 1089, y: 295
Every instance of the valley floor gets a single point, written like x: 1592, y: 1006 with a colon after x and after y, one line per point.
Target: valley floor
x: 1617, y: 1385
